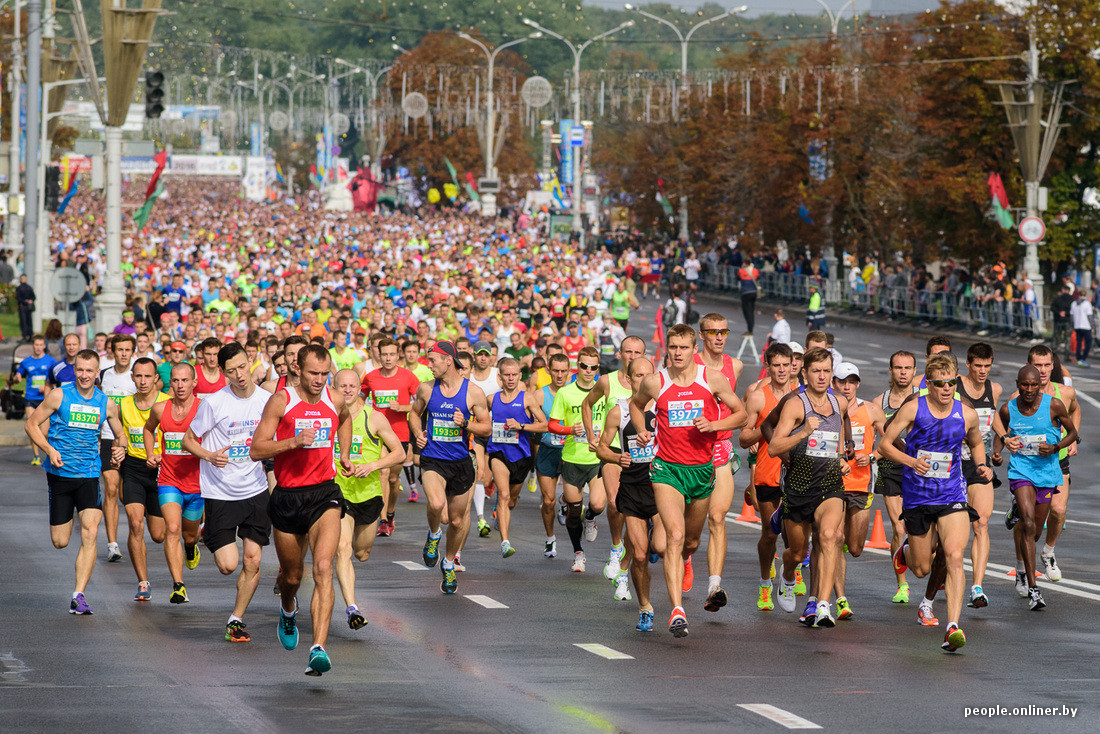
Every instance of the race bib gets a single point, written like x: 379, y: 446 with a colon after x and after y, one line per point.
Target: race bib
x: 38, y: 381
x: 640, y: 454
x: 823, y: 444
x: 607, y: 349
x: 173, y: 444
x: 382, y: 398
x: 116, y: 399
x: 985, y: 421
x: 238, y: 450
x: 446, y: 431
x: 1030, y: 445
x: 84, y: 416
x: 504, y: 435
x: 137, y: 436
x: 939, y: 463
x: 322, y: 439
x: 556, y: 439
x: 858, y: 433
x: 682, y: 413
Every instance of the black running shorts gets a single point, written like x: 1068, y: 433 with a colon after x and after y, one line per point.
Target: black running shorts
x: 229, y: 519
x: 139, y: 485
x: 294, y: 510
x: 71, y: 494
x: 458, y: 476
x: 918, y: 520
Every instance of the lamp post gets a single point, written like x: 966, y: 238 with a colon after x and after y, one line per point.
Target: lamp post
x: 685, y: 39
x: 577, y: 50
x: 490, y: 145
x: 834, y: 20
x: 11, y: 226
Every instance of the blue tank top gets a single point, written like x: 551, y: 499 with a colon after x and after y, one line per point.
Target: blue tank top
x: 74, y: 432
x: 446, y: 440
x: 940, y: 443
x: 515, y: 445
x: 1041, y: 471
x: 550, y: 439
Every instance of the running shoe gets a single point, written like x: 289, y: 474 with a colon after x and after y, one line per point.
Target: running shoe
x: 1050, y: 567
x: 654, y: 556
x: 1021, y: 582
x: 459, y: 568
x: 36, y: 461
x: 809, y: 552
x: 645, y: 621
x: 532, y: 485
x: 496, y: 521
x: 506, y: 549
x: 689, y: 575
x: 287, y: 628
x: 622, y: 587
x: 1011, y: 518
x: 79, y: 606
x: 899, y: 557
x: 449, y: 585
x: 413, y: 495
x: 764, y: 599
x: 191, y: 554
x: 1083, y: 363
x: 771, y: 573
x: 385, y: 528
x: 901, y: 596
x: 356, y: 620
x: 926, y: 617
x: 562, y: 512
x: 1035, y: 599
x: 483, y: 528
x: 591, y: 532
x: 809, y: 612
x: 113, y: 553
x: 716, y: 599
x: 614, y: 560
x: 144, y: 593
x: 678, y: 623
x: 235, y: 632
x: 318, y: 661
x: 787, y: 598
x: 578, y: 562
x: 431, y: 551
x: 978, y: 599
x: 179, y: 594
x: 799, y: 583
x: 843, y: 608
x: 774, y: 522
x: 954, y: 639
x: 824, y: 615
x: 551, y: 549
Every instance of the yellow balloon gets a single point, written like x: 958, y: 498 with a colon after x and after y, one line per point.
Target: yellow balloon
x: 451, y: 191
x: 433, y: 196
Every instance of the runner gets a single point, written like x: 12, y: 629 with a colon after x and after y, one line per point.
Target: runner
x: 813, y: 491
x: 605, y: 394
x: 1039, y: 426
x: 682, y: 471
x: 178, y: 489
x: 75, y: 413
x: 63, y: 372
x: 173, y: 356
x: 140, y: 497
x: 548, y: 461
x: 35, y: 369
x: 291, y: 346
x: 233, y: 486
x: 208, y: 376
x: 297, y: 431
x: 516, y: 416
x: 361, y: 486
x: 760, y: 403
x: 934, y: 504
x: 446, y: 469
x: 484, y: 374
x: 116, y: 383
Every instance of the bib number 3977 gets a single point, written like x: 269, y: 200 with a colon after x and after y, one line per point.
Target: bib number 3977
x: 682, y: 413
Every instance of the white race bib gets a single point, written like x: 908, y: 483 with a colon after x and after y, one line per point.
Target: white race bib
x: 556, y: 439
x: 1031, y: 445
x: 173, y: 444
x: 682, y: 413
x: 84, y: 416
x: 382, y: 398
x: 939, y: 463
x: 446, y: 431
x: 640, y: 454
x: 823, y: 444
x: 322, y: 439
x: 504, y: 435
x: 239, y: 448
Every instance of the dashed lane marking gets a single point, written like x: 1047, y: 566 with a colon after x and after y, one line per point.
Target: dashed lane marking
x: 412, y: 565
x: 485, y: 601
x: 603, y: 651
x: 779, y: 716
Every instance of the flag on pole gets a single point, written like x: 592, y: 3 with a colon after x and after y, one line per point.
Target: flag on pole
x: 451, y: 170
x: 68, y: 194
x: 161, y: 159
x: 141, y: 216
x: 471, y: 187
x: 1000, y: 201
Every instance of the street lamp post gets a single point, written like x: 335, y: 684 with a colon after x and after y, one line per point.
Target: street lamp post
x: 577, y: 50
x: 834, y: 20
x: 685, y: 39
x: 11, y: 226
x: 490, y: 146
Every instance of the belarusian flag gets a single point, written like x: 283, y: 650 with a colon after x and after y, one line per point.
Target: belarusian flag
x: 1000, y: 201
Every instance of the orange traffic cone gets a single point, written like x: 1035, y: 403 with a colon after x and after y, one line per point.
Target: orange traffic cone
x: 878, y: 534
x: 748, y: 514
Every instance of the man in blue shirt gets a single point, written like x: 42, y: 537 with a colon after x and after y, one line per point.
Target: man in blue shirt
x: 35, y: 369
x: 175, y: 295
x: 62, y: 372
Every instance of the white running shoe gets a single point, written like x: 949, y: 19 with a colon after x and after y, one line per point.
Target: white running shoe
x: 578, y: 562
x: 622, y: 587
x: 1050, y: 565
x: 786, y: 597
x: 612, y: 568
x: 590, y: 530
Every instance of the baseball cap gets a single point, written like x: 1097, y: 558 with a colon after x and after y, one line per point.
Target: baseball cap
x: 177, y: 345
x: 482, y: 346
x: 844, y: 370
x: 447, y: 348
x: 796, y: 347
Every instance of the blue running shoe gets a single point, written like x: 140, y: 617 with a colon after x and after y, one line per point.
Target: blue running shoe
x: 775, y: 522
x: 645, y: 622
x: 809, y: 613
x: 431, y: 550
x: 287, y: 629
x: 79, y: 606
x: 318, y: 661
x: 450, y: 579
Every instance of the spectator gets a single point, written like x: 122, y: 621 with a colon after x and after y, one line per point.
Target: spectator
x: 1059, y: 311
x: 1081, y: 314
x: 25, y: 298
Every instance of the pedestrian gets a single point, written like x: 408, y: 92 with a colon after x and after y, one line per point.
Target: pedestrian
x: 815, y: 311
x: 1081, y: 316
x: 25, y: 298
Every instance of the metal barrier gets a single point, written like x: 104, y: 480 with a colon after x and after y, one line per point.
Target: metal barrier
x: 978, y: 313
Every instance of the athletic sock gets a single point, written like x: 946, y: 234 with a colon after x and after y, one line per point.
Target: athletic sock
x: 551, y: 539
x: 234, y: 618
x: 479, y: 500
x: 575, y: 537
x: 389, y: 516
x: 926, y: 602
x: 1047, y: 550
x: 618, y: 547
x: 436, y: 535
x: 714, y: 582
x: 767, y: 582
x: 447, y: 565
x: 77, y: 593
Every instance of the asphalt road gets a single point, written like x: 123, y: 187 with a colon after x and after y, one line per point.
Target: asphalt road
x: 509, y: 660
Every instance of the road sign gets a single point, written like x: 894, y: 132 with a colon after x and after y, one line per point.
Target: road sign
x: 1032, y: 230
x: 576, y: 136
x: 488, y: 185
x: 68, y: 285
x: 415, y: 105
x: 536, y: 92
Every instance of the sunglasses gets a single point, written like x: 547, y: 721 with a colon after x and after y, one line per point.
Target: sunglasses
x: 944, y: 383
x: 588, y: 367
x: 716, y: 332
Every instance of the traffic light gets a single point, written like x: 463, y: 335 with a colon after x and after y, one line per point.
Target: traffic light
x: 154, y: 95
x: 53, y: 188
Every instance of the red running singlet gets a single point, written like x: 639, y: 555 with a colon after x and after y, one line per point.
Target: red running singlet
x: 312, y: 464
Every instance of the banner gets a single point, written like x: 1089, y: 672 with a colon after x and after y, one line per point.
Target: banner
x: 566, y: 152
x: 255, y: 179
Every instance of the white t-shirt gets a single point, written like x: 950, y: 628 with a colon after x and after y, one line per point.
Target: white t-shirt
x: 1081, y: 313
x: 115, y: 387
x: 781, y: 332
x: 223, y: 419
x: 490, y: 385
x: 691, y: 268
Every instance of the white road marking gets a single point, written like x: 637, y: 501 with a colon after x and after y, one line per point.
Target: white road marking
x: 779, y: 716
x: 1089, y: 399
x: 876, y: 346
x: 855, y: 361
x: 603, y: 651
x: 485, y: 601
x: 14, y: 668
x: 412, y: 565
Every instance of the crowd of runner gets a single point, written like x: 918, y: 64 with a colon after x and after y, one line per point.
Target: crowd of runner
x: 290, y: 377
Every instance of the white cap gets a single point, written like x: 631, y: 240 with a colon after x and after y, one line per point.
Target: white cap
x: 844, y: 370
x: 796, y: 347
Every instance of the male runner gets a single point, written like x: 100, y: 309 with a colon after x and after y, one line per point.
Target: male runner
x: 682, y: 471
x: 116, y: 383
x: 208, y: 376
x: 1039, y: 426
x: 548, y: 462
x: 173, y: 356
x: 233, y: 486
x: 140, y: 497
x: 297, y: 431
x: 516, y: 415
x: 760, y: 402
x: 933, y: 488
x: 34, y: 369
x: 178, y: 488
x: 484, y: 375
x: 605, y: 394
x: 291, y: 346
x: 75, y: 413
x: 362, y: 485
x: 63, y: 371
x: 455, y: 408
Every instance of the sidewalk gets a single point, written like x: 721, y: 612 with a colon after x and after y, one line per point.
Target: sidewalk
x: 12, y: 433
